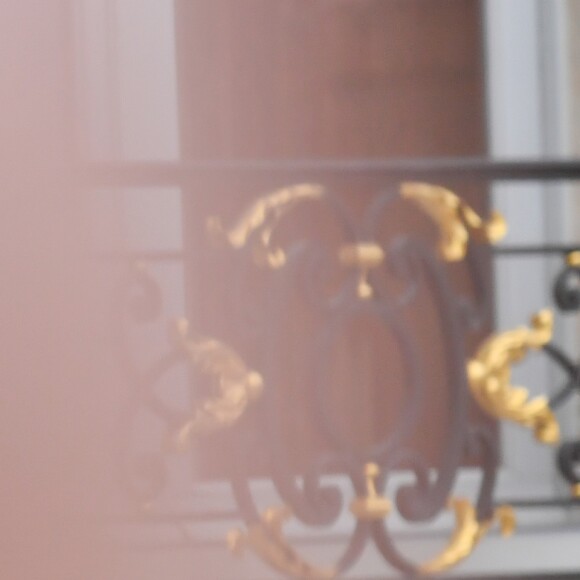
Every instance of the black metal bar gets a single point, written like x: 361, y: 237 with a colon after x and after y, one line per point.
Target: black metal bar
x: 508, y: 576
x: 501, y: 251
x: 157, y: 174
x: 530, y: 250
x: 503, y: 576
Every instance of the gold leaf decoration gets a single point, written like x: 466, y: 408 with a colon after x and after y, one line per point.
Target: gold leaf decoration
x: 371, y: 506
x: 260, y: 220
x: 235, y: 385
x: 456, y: 220
x: 489, y: 374
x: 467, y: 534
x: 364, y: 256
x: 267, y: 540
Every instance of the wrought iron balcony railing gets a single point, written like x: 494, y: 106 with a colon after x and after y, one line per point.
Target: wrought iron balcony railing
x: 233, y: 389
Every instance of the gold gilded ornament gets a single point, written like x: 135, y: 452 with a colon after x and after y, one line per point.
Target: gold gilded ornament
x: 489, y: 374
x: 235, y: 385
x: 371, y: 506
x: 457, y: 221
x: 467, y: 534
x: 259, y: 222
x: 267, y: 540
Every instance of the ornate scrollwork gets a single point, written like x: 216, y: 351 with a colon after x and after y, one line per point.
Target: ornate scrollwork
x: 235, y: 384
x: 489, y: 375
x: 467, y: 534
x: 456, y: 220
x: 267, y: 540
x: 407, y: 265
x: 413, y: 263
x: 143, y: 474
x: 260, y: 221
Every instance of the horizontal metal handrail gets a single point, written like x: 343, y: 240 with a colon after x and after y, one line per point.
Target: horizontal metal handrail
x: 154, y: 173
